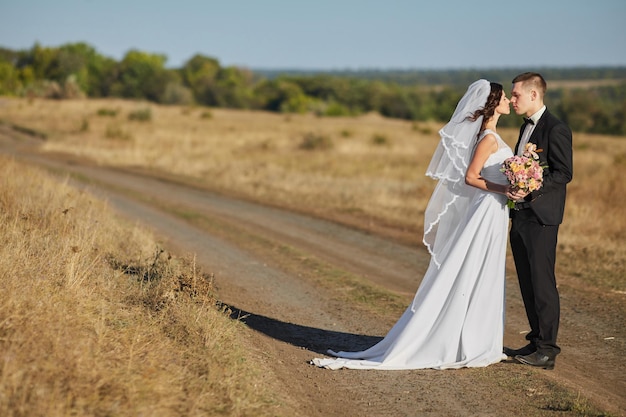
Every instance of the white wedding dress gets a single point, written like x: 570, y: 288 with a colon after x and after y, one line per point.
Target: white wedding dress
x: 457, y: 317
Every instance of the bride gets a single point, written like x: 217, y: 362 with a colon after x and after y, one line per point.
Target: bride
x: 457, y: 316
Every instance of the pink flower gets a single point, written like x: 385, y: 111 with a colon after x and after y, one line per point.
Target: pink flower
x: 531, y: 150
x: 524, y: 172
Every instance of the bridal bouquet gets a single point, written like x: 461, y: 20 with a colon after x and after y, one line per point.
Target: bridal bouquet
x: 524, y: 172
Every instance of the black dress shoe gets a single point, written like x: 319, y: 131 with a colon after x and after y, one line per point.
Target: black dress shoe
x: 523, y: 351
x: 536, y: 359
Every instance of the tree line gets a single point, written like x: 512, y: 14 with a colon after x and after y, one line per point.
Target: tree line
x: 78, y: 70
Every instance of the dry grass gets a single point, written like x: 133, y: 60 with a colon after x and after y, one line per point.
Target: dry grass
x: 352, y: 175
x: 95, y: 320
x: 256, y: 154
x: 593, y: 236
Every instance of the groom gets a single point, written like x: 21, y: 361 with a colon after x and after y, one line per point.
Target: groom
x: 536, y: 219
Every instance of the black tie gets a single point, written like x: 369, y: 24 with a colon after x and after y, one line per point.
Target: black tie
x: 528, y: 120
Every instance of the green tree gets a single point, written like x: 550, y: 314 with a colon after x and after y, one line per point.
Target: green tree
x: 281, y: 95
x: 233, y: 88
x: 9, y: 79
x: 142, y: 75
x: 577, y: 110
x: 176, y: 93
x: 200, y: 75
x: 40, y: 59
x: 75, y: 64
x: 398, y: 103
x: 373, y: 94
x: 85, y: 65
x: 8, y: 55
x: 446, y: 100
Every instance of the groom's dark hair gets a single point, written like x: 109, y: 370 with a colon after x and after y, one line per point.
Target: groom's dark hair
x: 534, y: 79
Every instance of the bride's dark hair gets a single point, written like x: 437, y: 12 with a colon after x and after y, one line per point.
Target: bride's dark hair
x: 490, y: 106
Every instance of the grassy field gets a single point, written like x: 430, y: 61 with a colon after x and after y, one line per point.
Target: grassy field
x: 95, y: 319
x: 366, y: 171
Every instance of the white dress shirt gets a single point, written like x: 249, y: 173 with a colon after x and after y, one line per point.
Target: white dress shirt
x: 528, y: 131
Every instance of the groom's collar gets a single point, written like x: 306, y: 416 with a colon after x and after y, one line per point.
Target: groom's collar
x: 537, y: 115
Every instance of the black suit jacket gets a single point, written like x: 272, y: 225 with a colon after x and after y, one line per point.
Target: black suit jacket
x: 554, y: 140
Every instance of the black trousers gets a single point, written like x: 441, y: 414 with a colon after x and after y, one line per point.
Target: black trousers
x: 534, y: 251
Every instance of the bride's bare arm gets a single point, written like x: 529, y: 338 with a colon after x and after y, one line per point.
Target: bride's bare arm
x: 484, y: 149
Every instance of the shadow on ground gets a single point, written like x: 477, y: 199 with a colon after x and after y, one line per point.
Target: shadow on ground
x: 311, y: 338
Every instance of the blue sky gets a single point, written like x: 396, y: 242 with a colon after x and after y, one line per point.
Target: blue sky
x: 332, y: 34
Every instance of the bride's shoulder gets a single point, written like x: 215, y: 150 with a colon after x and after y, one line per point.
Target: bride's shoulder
x: 496, y: 143
x: 488, y: 140
x: 489, y: 134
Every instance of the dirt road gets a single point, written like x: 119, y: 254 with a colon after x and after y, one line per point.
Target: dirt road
x: 272, y: 266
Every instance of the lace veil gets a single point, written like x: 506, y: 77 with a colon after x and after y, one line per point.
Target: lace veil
x: 448, y: 165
